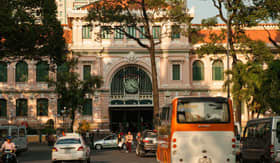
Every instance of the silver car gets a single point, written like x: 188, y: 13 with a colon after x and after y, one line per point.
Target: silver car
x: 108, y: 142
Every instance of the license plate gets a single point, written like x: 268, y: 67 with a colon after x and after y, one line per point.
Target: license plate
x: 67, y: 151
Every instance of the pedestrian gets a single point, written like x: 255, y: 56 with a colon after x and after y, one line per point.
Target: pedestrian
x: 120, y: 142
x: 138, y: 137
x: 129, y: 139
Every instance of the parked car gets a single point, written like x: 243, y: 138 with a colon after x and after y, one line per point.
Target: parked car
x: 147, y: 143
x: 261, y: 140
x: 71, y: 147
x: 107, y: 142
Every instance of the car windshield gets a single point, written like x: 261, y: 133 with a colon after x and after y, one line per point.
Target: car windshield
x: 202, y: 112
x: 69, y: 141
x: 151, y: 134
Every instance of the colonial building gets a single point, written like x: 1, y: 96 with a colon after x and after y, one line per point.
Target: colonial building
x: 126, y: 96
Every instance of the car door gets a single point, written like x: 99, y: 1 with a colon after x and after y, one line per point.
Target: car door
x: 107, y: 141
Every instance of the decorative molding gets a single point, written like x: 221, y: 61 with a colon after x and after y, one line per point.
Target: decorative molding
x: 131, y: 58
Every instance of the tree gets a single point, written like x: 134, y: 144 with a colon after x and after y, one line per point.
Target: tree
x: 237, y: 15
x: 271, y: 86
x: 269, y: 10
x: 72, y: 91
x: 140, y: 16
x: 29, y: 29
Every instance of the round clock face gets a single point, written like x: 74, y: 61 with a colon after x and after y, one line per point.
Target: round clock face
x: 131, y: 85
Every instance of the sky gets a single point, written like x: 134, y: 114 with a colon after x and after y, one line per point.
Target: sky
x: 203, y: 9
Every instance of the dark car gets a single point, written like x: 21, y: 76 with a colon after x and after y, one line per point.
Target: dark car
x: 147, y: 143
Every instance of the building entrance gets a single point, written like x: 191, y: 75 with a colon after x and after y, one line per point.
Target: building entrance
x: 132, y: 119
x: 131, y: 100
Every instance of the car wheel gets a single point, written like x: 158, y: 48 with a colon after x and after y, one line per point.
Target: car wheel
x: 98, y: 147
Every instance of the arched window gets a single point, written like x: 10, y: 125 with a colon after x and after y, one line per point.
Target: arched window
x: 3, y: 108
x: 3, y: 72
x: 218, y: 70
x: 198, y: 70
x: 42, y: 71
x: 21, y: 72
x: 42, y: 107
x: 21, y: 107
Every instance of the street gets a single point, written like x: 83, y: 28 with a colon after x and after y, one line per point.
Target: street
x: 38, y: 153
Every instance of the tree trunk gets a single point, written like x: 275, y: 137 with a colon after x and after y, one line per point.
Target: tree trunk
x: 73, y: 120
x: 154, y: 83
x: 238, y: 111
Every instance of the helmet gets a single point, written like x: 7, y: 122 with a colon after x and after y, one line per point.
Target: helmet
x: 9, y: 137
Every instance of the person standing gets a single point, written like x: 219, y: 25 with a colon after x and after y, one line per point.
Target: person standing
x: 129, y: 139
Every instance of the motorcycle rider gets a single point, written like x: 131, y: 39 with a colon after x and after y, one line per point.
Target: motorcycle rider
x: 8, y: 145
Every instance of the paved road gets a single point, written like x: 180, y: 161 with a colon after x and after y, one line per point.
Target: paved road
x: 42, y: 154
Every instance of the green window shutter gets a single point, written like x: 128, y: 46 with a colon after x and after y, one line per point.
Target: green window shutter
x: 21, y: 107
x: 198, y: 71
x: 42, y: 72
x: 3, y: 72
x: 156, y: 32
x: 21, y: 72
x: 61, y: 70
x: 87, y: 72
x: 176, y: 72
x: 175, y: 32
x: 105, y: 33
x: 118, y: 33
x: 87, y: 107
x: 218, y: 70
x: 86, y: 32
x: 142, y: 36
x: 3, y: 108
x: 42, y: 107
x: 132, y: 31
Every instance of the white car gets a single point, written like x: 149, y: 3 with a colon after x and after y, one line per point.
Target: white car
x: 71, y: 147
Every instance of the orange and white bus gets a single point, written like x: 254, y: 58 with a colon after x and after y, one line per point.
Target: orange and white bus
x: 196, y: 130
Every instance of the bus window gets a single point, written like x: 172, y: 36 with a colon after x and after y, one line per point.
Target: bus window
x: 165, y: 118
x: 22, y: 132
x: 203, y: 112
x: 3, y: 133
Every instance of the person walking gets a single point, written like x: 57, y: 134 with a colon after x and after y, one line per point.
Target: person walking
x: 129, y: 139
x: 120, y: 142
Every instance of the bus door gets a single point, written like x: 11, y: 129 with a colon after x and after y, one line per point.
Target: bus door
x: 22, y: 137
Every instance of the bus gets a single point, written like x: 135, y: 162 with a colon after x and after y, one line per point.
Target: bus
x: 196, y: 130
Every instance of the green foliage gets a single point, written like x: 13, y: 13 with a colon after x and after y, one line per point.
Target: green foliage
x: 212, y: 21
x: 29, y: 29
x: 72, y: 91
x: 271, y: 86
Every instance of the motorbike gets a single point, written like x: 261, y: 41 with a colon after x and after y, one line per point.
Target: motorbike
x: 9, y: 156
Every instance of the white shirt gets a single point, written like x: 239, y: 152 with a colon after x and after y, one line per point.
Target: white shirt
x: 9, y: 146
